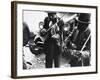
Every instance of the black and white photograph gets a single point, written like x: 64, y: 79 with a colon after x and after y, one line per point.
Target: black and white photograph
x: 55, y: 39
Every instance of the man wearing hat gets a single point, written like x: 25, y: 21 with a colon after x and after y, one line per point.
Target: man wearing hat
x: 83, y: 27
x: 51, y: 47
x: 83, y: 34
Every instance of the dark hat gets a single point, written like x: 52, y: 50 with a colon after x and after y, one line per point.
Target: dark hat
x: 84, y: 18
x: 49, y: 13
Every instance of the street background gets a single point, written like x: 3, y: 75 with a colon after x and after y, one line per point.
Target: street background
x: 5, y: 40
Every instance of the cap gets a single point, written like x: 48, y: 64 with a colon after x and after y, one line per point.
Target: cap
x: 49, y: 13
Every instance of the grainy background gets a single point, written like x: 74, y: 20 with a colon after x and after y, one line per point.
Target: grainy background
x: 5, y: 40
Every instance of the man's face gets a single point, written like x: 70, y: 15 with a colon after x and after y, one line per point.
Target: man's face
x: 52, y: 16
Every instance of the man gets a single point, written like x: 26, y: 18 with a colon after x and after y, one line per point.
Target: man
x: 83, y: 34
x: 83, y: 27
x: 51, y: 47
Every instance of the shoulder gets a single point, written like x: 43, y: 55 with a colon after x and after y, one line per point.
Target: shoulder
x: 47, y: 18
x: 61, y: 22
